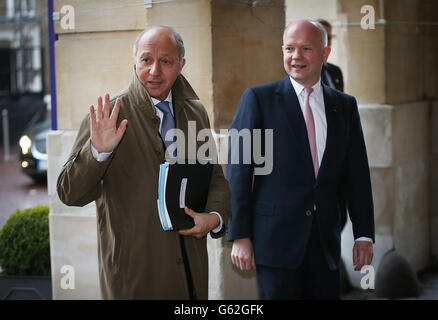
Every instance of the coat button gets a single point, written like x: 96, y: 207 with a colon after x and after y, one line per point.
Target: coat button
x: 308, y: 213
x: 179, y: 261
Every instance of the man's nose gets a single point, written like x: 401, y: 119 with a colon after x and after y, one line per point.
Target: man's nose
x: 155, y: 69
x: 296, y: 54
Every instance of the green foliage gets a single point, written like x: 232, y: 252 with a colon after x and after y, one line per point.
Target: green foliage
x: 25, y: 244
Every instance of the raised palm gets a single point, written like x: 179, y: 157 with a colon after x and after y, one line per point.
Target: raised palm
x: 105, y: 135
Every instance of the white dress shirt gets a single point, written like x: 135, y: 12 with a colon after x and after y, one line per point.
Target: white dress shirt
x: 316, y: 101
x: 102, y: 156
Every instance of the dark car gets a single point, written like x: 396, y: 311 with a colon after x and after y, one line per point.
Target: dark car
x: 33, y: 155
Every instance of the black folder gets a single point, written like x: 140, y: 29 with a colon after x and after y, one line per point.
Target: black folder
x: 179, y: 185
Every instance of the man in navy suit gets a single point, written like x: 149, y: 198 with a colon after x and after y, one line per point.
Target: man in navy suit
x: 286, y: 224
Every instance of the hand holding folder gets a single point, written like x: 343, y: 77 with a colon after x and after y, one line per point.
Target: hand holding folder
x: 182, y: 185
x: 204, y: 223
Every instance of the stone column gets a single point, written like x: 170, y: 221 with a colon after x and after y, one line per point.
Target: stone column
x: 246, y: 45
x: 401, y: 185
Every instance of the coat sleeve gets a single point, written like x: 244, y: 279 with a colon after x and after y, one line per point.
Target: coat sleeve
x: 359, y: 193
x: 79, y: 182
x: 239, y: 172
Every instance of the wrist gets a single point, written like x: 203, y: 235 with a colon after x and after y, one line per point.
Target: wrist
x: 215, y: 221
x: 99, y: 156
x: 217, y: 226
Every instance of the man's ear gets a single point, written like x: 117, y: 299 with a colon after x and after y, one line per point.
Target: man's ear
x: 183, y: 63
x: 326, y: 53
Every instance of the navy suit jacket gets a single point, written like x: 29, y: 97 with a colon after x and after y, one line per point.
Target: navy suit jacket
x: 336, y: 75
x: 277, y: 210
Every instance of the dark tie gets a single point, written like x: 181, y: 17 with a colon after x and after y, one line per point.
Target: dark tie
x: 167, y: 123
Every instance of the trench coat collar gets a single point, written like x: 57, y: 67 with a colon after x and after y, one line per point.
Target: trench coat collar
x: 181, y: 91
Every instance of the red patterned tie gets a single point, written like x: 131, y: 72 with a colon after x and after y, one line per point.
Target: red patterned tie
x: 310, y: 124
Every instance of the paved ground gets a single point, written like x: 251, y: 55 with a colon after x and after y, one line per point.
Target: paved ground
x: 429, y: 284
x: 17, y: 190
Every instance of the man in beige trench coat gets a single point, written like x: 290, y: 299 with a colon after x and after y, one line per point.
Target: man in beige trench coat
x: 115, y: 161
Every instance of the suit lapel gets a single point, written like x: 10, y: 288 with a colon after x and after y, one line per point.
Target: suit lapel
x: 332, y: 113
x: 290, y: 107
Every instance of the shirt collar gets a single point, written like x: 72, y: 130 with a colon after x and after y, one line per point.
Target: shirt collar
x: 168, y: 99
x: 299, y: 88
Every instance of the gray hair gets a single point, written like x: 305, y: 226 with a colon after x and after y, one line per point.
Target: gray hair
x: 176, y: 35
x: 323, y: 32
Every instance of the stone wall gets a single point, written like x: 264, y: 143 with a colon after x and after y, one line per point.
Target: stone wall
x: 246, y: 52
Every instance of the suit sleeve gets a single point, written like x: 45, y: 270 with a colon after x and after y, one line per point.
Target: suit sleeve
x: 79, y: 181
x: 359, y: 193
x: 240, y: 172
